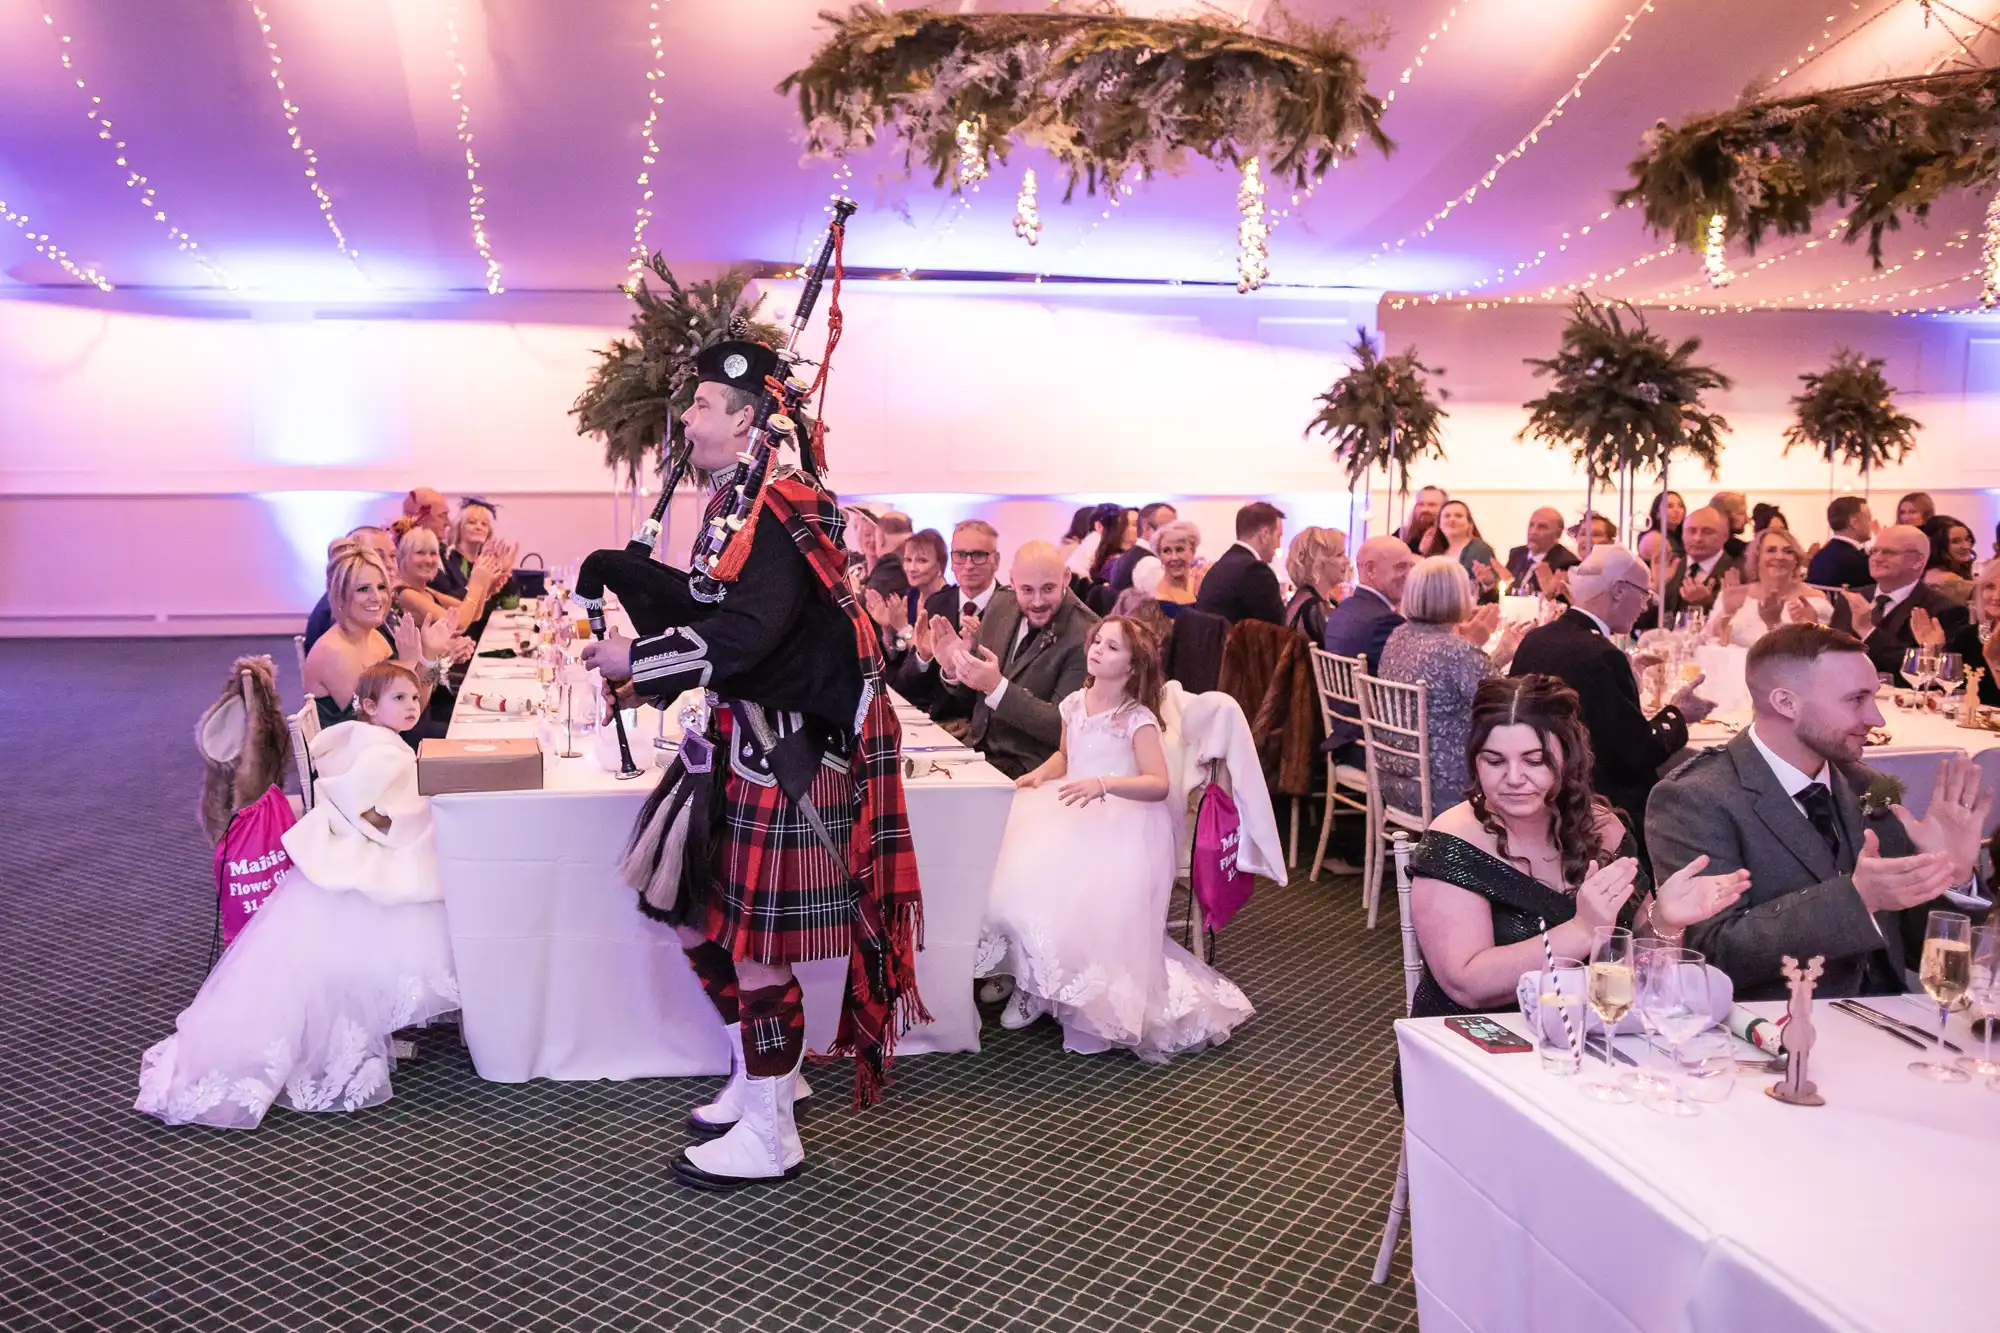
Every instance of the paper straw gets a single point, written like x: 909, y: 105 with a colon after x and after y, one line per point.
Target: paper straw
x: 1562, y: 1011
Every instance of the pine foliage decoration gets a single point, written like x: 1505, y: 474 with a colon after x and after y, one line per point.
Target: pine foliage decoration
x: 1108, y: 95
x: 1848, y: 414
x: 642, y: 383
x: 1889, y: 149
x: 1622, y: 399
x: 1383, y: 414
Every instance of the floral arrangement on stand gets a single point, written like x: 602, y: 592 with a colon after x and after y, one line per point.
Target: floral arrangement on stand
x: 1382, y: 414
x: 1109, y: 96
x: 1625, y: 402
x: 642, y: 383
x: 1889, y: 149
x: 1848, y: 414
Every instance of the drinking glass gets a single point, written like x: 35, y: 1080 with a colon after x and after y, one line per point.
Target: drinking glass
x: 1708, y: 1063
x: 1561, y: 1047
x: 1949, y: 672
x: 1983, y: 986
x: 1643, y: 1080
x: 1913, y: 673
x: 1946, y: 974
x: 1674, y: 989
x: 1610, y: 991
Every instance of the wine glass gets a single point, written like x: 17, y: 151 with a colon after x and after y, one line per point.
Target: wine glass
x: 1913, y: 670
x: 1983, y: 986
x: 1610, y: 994
x: 1949, y: 672
x: 1643, y: 1080
x: 1946, y: 974
x: 1674, y: 988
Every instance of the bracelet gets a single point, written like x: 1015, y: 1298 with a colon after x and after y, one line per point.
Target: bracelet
x: 1103, y: 793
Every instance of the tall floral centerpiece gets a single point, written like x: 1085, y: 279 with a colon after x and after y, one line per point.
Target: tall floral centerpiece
x: 1848, y: 414
x: 1382, y: 414
x: 1623, y: 402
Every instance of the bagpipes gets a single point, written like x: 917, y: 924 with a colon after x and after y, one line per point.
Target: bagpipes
x: 656, y: 596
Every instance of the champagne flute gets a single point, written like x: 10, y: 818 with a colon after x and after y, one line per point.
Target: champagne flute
x: 1674, y: 988
x: 1946, y: 974
x: 1983, y: 986
x: 1610, y: 994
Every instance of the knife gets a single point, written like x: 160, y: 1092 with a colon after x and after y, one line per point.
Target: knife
x: 1910, y: 1028
x: 1595, y: 1045
x: 1861, y: 1016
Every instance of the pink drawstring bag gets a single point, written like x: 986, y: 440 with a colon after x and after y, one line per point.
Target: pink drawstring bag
x: 1220, y: 885
x: 250, y: 859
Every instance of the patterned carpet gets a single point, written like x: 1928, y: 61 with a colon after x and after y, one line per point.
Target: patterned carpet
x: 1020, y: 1188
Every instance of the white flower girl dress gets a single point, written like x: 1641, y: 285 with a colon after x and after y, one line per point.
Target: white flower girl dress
x: 350, y: 947
x: 1078, y: 910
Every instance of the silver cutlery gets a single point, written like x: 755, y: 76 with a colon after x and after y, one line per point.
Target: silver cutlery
x: 1900, y: 1025
x: 1595, y: 1045
x: 1872, y: 1019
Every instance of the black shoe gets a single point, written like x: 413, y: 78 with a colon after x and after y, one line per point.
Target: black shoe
x: 701, y: 1131
x: 692, y: 1176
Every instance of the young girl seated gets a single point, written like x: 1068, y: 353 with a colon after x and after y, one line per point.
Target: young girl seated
x: 1078, y: 911
x: 350, y: 947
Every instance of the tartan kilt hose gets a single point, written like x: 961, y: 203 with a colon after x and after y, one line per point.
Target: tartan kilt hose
x: 776, y: 894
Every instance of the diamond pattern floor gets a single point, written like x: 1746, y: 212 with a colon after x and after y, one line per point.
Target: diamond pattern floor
x: 1020, y: 1188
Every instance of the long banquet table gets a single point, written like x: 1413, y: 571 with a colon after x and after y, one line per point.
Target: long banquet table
x: 1535, y: 1207
x: 559, y: 974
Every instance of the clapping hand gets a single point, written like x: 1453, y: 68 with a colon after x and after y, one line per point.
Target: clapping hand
x: 1510, y: 638
x: 1605, y: 890
x: 1689, y: 896
x: 1960, y: 802
x: 434, y: 639
x: 1487, y: 573
x: 1551, y: 582
x: 876, y: 606
x: 1734, y: 592
x: 461, y: 650
x: 1860, y: 612
x: 1694, y: 592
x: 409, y: 641
x: 923, y: 637
x: 1693, y: 707
x: 1891, y: 883
x: 1477, y: 628
x: 1798, y: 611
x: 1925, y: 629
x: 978, y: 669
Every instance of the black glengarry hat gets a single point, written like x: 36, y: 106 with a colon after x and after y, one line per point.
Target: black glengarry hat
x: 740, y: 365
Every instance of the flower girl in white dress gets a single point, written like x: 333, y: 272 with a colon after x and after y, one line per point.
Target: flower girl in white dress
x: 351, y: 945
x: 1078, y: 911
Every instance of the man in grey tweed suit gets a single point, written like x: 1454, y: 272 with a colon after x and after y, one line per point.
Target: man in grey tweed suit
x: 1783, y: 801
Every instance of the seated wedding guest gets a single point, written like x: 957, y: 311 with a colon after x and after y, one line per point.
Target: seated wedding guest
x: 1531, y: 849
x: 1667, y: 514
x: 469, y: 537
x: 1542, y: 550
x: 1422, y: 518
x: 1881, y: 615
x: 1694, y: 582
x: 1916, y: 509
x: 1116, y: 536
x: 886, y: 574
x: 1152, y: 518
x: 1442, y: 644
x: 1095, y: 813
x: 1975, y: 642
x: 1734, y: 507
x: 1594, y: 530
x: 925, y: 558
x: 1360, y: 626
x: 1843, y: 561
x: 1317, y: 565
x: 1783, y: 800
x: 1777, y: 595
x: 428, y: 509
x: 357, y: 587
x: 1026, y: 655
x: 1105, y: 523
x: 374, y: 539
x: 862, y: 538
x: 1606, y: 592
x: 417, y: 560
x: 350, y: 947
x: 1181, y: 567
x: 975, y: 563
x: 1764, y: 516
x: 1457, y: 535
x: 1241, y: 584
x: 1953, y: 552
x: 1078, y: 531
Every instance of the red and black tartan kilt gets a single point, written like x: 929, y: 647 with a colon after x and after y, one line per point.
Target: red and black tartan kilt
x: 777, y: 895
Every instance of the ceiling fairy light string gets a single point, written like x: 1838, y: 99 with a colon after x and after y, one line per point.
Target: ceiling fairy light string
x: 148, y: 194
x: 46, y: 246
x: 1827, y: 41
x: 475, y: 204
x: 649, y: 157
x: 296, y: 137
x: 1502, y: 160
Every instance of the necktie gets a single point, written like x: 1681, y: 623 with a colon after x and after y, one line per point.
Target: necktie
x: 1818, y: 804
x: 1882, y: 606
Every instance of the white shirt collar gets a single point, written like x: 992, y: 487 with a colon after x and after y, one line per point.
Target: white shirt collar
x: 1704, y: 567
x: 1602, y: 628
x: 968, y: 602
x: 1248, y: 547
x: 1789, y: 777
x: 1896, y: 599
x: 1843, y: 537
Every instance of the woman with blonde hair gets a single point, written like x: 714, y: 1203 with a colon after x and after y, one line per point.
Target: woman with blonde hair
x: 1317, y: 565
x: 358, y: 590
x: 1776, y: 594
x: 1180, y: 565
x: 418, y: 559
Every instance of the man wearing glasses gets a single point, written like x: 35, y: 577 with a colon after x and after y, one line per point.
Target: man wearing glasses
x: 1607, y: 591
x: 975, y: 571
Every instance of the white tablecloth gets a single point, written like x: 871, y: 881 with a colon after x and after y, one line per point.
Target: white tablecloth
x: 560, y: 975
x: 1534, y: 1207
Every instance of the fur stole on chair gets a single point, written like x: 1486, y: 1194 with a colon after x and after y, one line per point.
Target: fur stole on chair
x: 243, y: 742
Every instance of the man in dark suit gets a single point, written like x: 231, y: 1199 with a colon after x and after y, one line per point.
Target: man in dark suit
x: 975, y: 565
x: 1027, y: 655
x: 1543, y: 551
x: 1843, y: 561
x: 1782, y: 800
x: 1882, y: 614
x: 1362, y: 623
x: 1151, y: 519
x: 1242, y: 585
x: 1734, y: 506
x: 1607, y: 589
x: 886, y: 576
x: 1693, y: 583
